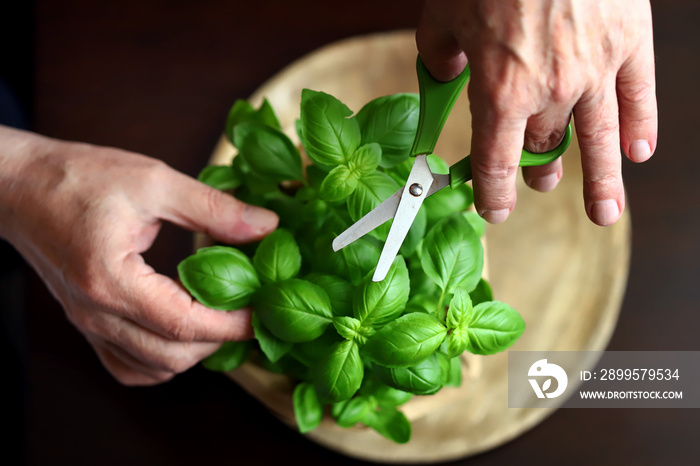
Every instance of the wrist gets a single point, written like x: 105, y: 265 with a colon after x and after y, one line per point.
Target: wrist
x: 19, y: 153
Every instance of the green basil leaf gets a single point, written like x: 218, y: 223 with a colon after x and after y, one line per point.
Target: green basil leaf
x: 390, y: 121
x: 339, y: 291
x: 311, y: 353
x: 437, y: 164
x: 406, y: 341
x: 271, y: 346
x: 365, y: 159
x: 340, y: 374
x: 277, y: 257
x: 493, y: 327
x: 229, y: 356
x: 294, y: 310
x: 371, y: 191
x: 446, y: 201
x: 460, y: 309
x: 220, y: 177
x: 477, y: 223
x: 359, y: 258
x: 457, y: 342
x: 454, y: 379
x: 243, y: 112
x: 330, y: 134
x: 425, y: 378
x: 339, y: 184
x: 269, y: 152
x: 289, y: 210
x: 422, y: 303
x: 389, y: 422
x: 386, y: 396
x: 308, y: 410
x: 353, y: 411
x: 380, y: 302
x: 219, y: 277
x: 452, y: 254
x: 347, y: 327
x: 481, y: 293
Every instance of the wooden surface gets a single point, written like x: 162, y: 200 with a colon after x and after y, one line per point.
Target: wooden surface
x: 158, y: 77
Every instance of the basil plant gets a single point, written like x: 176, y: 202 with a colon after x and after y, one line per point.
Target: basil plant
x: 356, y: 349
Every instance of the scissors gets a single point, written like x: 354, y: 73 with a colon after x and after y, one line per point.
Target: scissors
x: 436, y: 102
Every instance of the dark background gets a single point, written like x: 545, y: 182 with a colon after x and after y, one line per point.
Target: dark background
x: 158, y: 77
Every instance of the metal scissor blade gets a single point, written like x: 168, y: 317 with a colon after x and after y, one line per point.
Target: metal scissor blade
x: 372, y: 219
x: 414, y: 193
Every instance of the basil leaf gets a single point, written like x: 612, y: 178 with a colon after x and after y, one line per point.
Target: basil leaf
x: 371, y: 191
x: 493, y: 327
x: 454, y: 379
x: 330, y: 135
x: 448, y: 200
x: 353, y: 411
x: 390, y: 121
x: 339, y: 184
x: 380, y: 302
x: 460, y: 309
x: 425, y: 378
x: 243, y: 112
x: 347, y: 327
x: 311, y: 353
x: 477, y: 223
x: 307, y: 408
x: 269, y: 152
x: 220, y: 177
x: 406, y: 341
x: 391, y: 423
x: 339, y: 291
x: 422, y: 303
x: 340, y: 374
x: 457, y: 342
x: 229, y: 356
x: 385, y: 395
x: 294, y: 310
x: 481, y: 293
x: 219, y: 277
x: 437, y: 164
x: 359, y: 258
x: 277, y: 257
x: 271, y: 346
x: 365, y: 159
x: 452, y: 255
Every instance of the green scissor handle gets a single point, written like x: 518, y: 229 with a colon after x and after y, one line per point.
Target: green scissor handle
x: 436, y: 102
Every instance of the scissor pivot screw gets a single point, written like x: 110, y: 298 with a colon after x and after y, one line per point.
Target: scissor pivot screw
x: 415, y: 189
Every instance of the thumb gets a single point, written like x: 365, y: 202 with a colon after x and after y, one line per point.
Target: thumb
x: 437, y: 45
x: 193, y: 205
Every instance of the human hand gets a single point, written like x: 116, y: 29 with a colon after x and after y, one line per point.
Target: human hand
x: 533, y: 63
x: 82, y: 215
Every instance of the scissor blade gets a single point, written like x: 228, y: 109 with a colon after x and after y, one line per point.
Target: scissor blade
x: 374, y: 218
x: 406, y: 212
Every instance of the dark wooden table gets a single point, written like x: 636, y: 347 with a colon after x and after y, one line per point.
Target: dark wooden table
x: 158, y: 77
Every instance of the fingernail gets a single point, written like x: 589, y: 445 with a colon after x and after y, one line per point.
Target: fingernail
x: 640, y: 150
x: 544, y: 183
x: 605, y: 212
x: 261, y: 219
x: 495, y: 216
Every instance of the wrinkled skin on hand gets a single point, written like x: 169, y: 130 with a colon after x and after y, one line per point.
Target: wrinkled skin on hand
x: 533, y: 64
x: 82, y: 215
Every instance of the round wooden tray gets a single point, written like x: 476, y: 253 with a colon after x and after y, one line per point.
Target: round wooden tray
x: 565, y: 275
